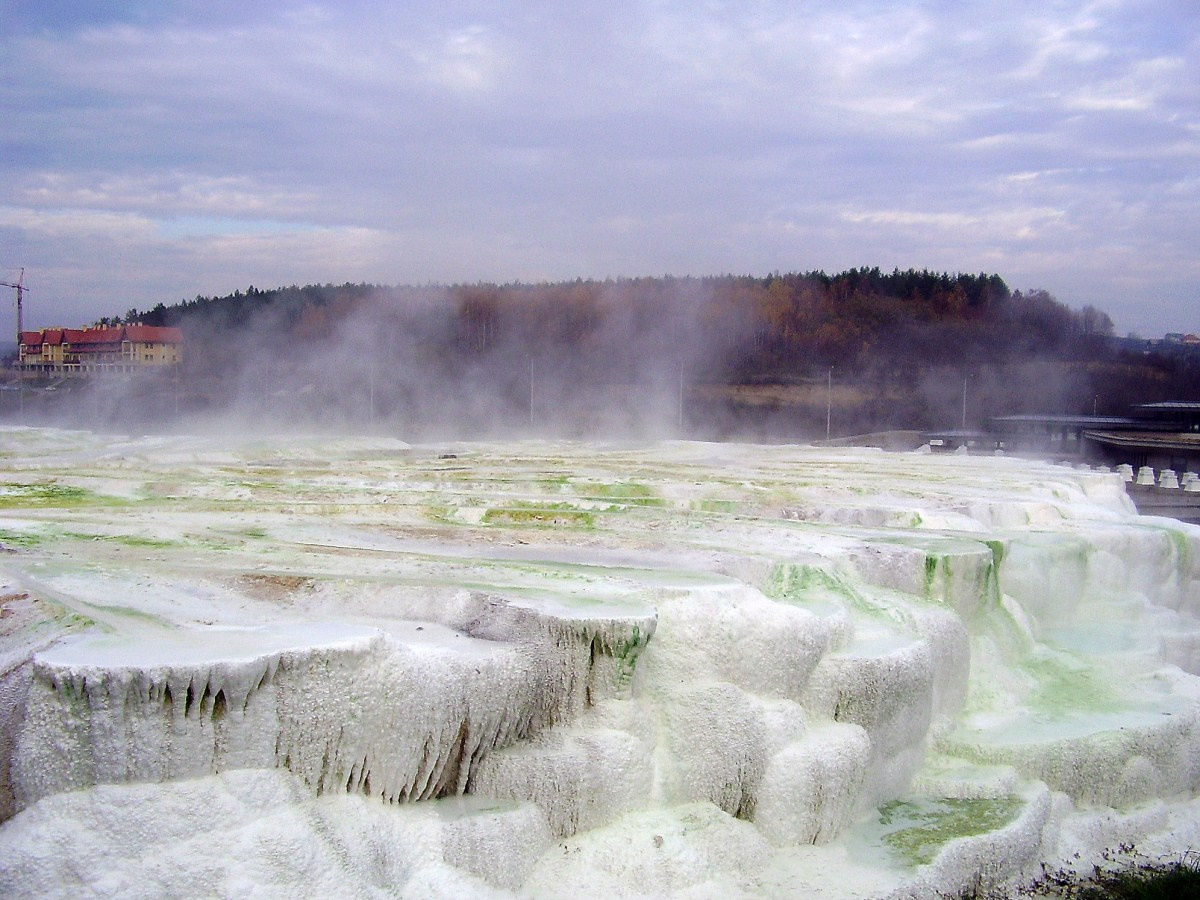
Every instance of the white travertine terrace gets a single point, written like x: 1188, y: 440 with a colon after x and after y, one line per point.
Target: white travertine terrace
x: 351, y: 667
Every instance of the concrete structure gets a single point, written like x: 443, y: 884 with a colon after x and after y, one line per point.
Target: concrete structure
x: 1179, y: 451
x: 1158, y: 435
x: 965, y: 440
x: 1053, y: 435
x: 1159, y: 441
x: 1175, y: 415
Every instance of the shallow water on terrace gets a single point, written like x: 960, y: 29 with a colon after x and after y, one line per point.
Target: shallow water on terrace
x: 1022, y: 727
x: 1094, y: 637
x: 910, y: 833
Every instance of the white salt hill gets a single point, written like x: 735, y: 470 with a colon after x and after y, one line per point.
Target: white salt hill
x: 354, y: 668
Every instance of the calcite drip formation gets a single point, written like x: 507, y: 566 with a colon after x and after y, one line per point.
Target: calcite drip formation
x: 535, y: 668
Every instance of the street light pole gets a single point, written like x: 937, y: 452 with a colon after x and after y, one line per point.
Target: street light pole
x: 679, y: 404
x: 828, y: 401
x: 371, y: 389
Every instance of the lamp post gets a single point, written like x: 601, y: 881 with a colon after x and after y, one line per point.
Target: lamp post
x: 828, y: 401
x: 679, y: 403
x: 371, y: 390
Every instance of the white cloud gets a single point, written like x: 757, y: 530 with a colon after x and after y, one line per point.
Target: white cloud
x: 467, y: 60
x: 71, y: 224
x: 994, y: 225
x: 1140, y: 88
x: 156, y: 192
x: 1071, y: 38
x: 910, y: 218
x: 431, y: 141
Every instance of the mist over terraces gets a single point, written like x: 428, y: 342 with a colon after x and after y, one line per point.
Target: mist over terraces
x: 782, y: 356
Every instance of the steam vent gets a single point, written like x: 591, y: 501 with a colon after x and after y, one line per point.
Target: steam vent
x: 355, y: 668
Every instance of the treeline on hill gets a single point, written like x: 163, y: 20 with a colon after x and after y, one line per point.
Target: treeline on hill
x: 860, y: 320
x: 904, y: 341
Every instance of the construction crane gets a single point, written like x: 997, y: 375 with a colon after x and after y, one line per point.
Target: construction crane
x: 21, y: 289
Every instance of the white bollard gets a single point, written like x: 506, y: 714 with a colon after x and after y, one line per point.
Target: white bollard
x: 1126, y: 472
x: 1145, y: 476
x: 1193, y: 486
x: 1168, y: 479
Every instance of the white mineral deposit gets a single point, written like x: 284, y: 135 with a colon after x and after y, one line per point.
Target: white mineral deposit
x: 357, y: 668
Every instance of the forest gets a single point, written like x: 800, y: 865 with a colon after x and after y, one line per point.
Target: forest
x: 861, y: 320
x: 770, y: 356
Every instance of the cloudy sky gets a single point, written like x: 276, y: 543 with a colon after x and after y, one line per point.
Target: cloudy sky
x: 153, y: 150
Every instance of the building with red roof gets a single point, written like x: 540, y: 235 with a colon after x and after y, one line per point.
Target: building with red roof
x: 101, y: 348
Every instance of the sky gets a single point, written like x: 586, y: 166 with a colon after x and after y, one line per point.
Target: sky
x: 156, y: 150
